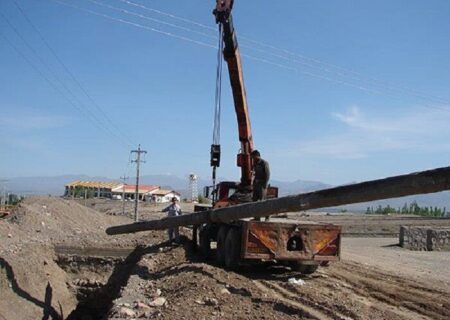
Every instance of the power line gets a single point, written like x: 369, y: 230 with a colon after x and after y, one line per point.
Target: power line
x: 356, y: 75
x: 50, y: 82
x: 88, y: 112
x: 210, y: 36
x: 277, y: 64
x: 205, y: 44
x: 307, y: 61
x: 152, y: 19
x: 69, y: 72
x: 169, y: 34
x: 169, y: 15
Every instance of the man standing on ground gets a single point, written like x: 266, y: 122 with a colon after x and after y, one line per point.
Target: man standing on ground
x: 172, y: 211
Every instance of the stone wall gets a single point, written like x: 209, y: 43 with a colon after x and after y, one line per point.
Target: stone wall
x: 424, y: 238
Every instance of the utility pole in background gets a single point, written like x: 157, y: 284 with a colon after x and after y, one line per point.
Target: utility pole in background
x: 124, y: 179
x: 138, y: 161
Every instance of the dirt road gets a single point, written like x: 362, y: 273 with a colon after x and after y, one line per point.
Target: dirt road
x: 384, y: 254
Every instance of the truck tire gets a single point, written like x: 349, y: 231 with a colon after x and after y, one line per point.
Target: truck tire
x: 204, y: 239
x: 233, y: 249
x: 303, y: 268
x: 221, y: 236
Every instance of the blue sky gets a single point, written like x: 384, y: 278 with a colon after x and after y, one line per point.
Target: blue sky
x: 339, y: 91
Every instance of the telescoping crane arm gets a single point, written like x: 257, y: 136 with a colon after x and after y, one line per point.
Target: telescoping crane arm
x: 233, y: 60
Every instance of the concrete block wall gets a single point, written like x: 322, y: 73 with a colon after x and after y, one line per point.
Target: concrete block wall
x: 424, y: 238
x: 440, y: 239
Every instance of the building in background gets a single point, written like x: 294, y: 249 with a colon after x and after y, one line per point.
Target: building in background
x: 117, y: 190
x: 163, y: 196
x: 90, y: 189
x: 129, y: 191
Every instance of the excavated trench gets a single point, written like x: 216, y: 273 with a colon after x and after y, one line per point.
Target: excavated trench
x: 96, y: 276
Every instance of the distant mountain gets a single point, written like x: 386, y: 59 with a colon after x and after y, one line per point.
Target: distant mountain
x: 439, y: 199
x: 170, y: 181
x: 55, y: 186
x: 298, y: 186
x: 45, y: 185
x: 173, y: 182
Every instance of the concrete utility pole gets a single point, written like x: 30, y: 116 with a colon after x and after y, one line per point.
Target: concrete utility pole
x: 138, y: 161
x: 124, y: 179
x: 430, y: 181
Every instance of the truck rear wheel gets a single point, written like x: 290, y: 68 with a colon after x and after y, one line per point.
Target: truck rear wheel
x: 303, y: 268
x: 221, y: 236
x: 233, y: 249
x: 204, y: 239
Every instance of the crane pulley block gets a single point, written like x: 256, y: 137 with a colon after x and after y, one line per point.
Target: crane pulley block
x: 215, y: 155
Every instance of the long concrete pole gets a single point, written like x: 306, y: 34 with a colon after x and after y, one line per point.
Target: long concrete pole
x: 415, y: 183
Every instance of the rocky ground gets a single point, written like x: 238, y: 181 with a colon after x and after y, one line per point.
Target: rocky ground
x: 57, y: 263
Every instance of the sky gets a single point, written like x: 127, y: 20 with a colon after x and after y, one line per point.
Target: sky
x: 338, y: 91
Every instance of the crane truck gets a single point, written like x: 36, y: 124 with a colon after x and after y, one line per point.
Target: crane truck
x: 304, y: 246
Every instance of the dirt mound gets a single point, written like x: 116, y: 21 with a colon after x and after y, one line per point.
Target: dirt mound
x: 55, y: 220
x: 171, y: 283
x: 32, y: 284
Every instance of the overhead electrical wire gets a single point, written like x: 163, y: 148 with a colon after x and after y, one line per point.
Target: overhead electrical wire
x: 137, y: 25
x: 356, y: 75
x: 218, y: 93
x: 280, y: 65
x: 307, y: 61
x: 46, y: 79
x: 262, y: 60
x: 169, y: 15
x: 210, y: 36
x: 152, y: 19
x: 78, y: 83
x: 74, y: 101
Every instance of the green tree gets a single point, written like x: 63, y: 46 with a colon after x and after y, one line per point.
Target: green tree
x: 203, y: 200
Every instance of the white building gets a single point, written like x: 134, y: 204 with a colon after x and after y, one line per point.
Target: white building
x: 130, y: 191
x: 162, y: 196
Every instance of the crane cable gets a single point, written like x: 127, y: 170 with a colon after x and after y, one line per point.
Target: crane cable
x: 218, y: 97
x: 215, y: 147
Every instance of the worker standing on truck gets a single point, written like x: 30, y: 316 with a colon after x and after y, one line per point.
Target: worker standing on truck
x: 172, y: 211
x: 261, y: 176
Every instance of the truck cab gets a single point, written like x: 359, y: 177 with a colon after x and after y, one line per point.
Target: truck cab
x: 228, y: 193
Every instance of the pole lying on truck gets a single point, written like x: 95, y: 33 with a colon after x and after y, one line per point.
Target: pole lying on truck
x: 429, y: 181
x: 304, y: 246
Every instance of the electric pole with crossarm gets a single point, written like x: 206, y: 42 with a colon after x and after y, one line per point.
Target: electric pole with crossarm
x: 138, y: 161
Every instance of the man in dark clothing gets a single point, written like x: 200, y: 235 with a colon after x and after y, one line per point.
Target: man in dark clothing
x: 261, y: 176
